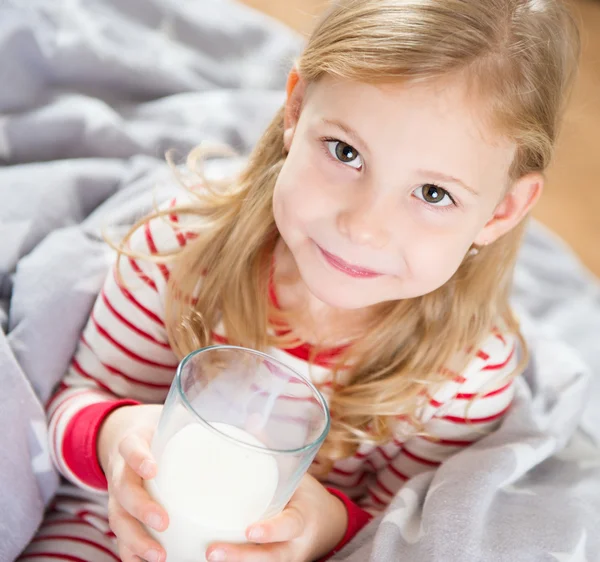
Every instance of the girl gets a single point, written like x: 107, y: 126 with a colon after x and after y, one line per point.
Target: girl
x: 370, y: 243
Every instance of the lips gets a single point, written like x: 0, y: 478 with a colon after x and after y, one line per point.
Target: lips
x: 347, y: 268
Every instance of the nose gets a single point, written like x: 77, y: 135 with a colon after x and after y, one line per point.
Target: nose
x: 365, y: 222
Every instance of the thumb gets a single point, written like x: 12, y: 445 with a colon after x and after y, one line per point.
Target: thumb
x: 286, y: 526
x: 135, y: 451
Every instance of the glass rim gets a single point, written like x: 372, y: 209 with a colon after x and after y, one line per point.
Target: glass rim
x: 265, y: 450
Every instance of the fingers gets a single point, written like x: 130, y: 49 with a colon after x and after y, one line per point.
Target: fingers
x: 127, y: 556
x: 286, y: 526
x: 278, y: 552
x: 136, y: 452
x: 134, y: 499
x: 133, y: 539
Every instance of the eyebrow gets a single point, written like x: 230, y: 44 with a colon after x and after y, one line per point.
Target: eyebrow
x: 446, y: 178
x: 351, y: 133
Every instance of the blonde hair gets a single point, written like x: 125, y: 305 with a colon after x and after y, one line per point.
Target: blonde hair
x: 520, y: 56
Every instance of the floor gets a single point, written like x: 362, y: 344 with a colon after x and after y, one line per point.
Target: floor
x: 571, y: 203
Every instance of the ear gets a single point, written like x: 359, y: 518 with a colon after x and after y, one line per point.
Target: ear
x: 296, y: 88
x: 515, y: 206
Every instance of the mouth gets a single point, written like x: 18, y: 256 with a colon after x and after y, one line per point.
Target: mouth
x: 347, y: 268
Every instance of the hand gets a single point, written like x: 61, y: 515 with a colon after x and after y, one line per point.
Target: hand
x: 312, y: 525
x: 124, y: 454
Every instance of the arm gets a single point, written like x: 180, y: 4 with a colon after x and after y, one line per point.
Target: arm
x: 123, y: 357
x: 467, y: 409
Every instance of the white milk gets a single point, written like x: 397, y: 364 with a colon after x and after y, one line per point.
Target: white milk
x: 211, y: 488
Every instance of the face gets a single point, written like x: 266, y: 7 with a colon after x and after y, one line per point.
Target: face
x: 385, y: 188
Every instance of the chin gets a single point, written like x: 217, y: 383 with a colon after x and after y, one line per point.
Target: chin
x: 340, y: 296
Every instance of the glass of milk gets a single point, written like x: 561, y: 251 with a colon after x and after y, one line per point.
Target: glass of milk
x: 238, y: 431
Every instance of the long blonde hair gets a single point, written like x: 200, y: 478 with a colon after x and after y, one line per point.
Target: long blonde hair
x: 520, y: 56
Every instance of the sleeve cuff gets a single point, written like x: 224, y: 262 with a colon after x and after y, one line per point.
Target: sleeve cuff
x: 79, y: 448
x: 357, y: 519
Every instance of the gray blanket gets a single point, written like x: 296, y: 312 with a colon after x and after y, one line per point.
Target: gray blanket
x: 93, y: 92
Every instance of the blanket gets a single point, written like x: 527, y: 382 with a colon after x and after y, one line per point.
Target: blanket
x: 93, y: 93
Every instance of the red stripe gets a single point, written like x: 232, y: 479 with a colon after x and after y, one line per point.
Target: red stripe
x: 375, y: 498
x: 301, y: 352
x: 396, y: 472
x: 174, y: 218
x: 419, y: 459
x: 345, y: 473
x: 78, y: 540
x: 219, y: 339
x: 76, y: 365
x: 469, y: 396
x: 87, y: 513
x: 325, y: 358
x: 384, y: 488
x: 61, y: 556
x: 456, y: 419
x: 141, y: 275
x: 137, y: 304
x: 435, y: 403
x: 153, y: 250
x: 503, y: 364
x: 131, y: 326
x: 61, y: 390
x: 67, y: 521
x: 104, y: 333
x: 326, y: 384
x: 121, y: 374
x: 500, y: 337
x: 450, y: 373
x: 384, y: 454
x: 162, y: 386
x: 482, y: 355
x: 448, y: 442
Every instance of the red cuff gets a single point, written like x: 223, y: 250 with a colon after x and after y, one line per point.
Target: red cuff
x: 357, y: 519
x: 79, y: 449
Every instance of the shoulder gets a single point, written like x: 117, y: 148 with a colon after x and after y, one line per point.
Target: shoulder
x: 485, y: 385
x: 166, y: 229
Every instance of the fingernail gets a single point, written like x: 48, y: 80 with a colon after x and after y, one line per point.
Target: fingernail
x: 217, y: 556
x: 152, y: 556
x: 256, y: 533
x: 155, y: 521
x: 147, y: 467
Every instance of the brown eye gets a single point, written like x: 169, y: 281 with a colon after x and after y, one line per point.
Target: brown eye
x: 345, y: 153
x: 435, y: 195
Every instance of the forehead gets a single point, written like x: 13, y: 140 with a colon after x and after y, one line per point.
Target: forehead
x: 434, y: 123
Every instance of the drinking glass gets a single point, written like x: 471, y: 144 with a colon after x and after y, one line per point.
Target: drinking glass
x: 237, y: 432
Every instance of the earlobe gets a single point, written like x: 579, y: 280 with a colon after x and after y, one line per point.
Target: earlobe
x: 513, y: 208
x: 295, y: 90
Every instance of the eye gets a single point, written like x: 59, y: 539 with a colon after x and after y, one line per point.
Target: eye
x: 345, y: 153
x: 434, y: 195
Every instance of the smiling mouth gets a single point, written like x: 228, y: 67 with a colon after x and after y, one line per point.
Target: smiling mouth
x: 347, y: 268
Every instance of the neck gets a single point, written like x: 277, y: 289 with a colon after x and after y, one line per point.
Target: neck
x: 312, y: 319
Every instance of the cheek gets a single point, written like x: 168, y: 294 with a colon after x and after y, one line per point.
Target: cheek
x: 300, y: 194
x: 434, y: 258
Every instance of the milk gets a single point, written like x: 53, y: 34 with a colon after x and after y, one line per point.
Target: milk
x: 211, y: 488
